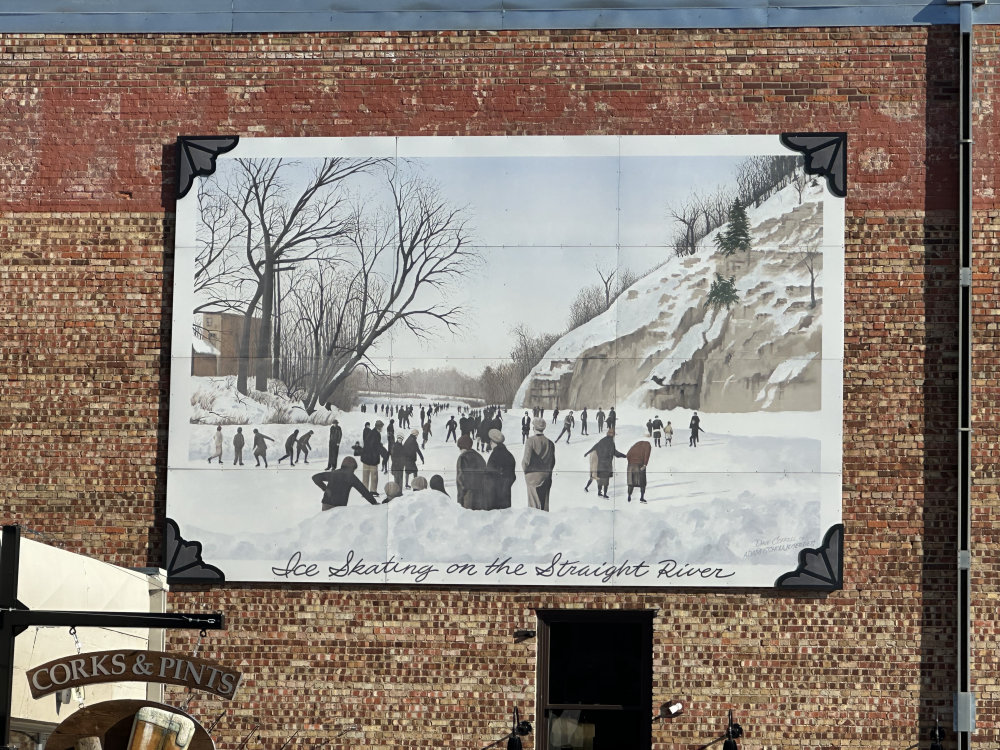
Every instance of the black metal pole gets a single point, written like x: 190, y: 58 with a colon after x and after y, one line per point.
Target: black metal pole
x: 25, y: 617
x: 9, y: 557
x: 964, y: 697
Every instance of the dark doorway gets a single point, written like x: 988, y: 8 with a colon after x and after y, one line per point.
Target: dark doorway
x: 595, y: 679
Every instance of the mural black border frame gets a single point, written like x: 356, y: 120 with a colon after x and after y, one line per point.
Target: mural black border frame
x: 197, y: 154
x: 819, y: 568
x: 825, y: 154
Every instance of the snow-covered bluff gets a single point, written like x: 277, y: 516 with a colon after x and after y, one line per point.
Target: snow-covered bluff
x: 764, y: 353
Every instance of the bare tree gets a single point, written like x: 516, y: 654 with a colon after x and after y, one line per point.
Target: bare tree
x: 626, y: 278
x: 758, y: 177
x: 811, y: 261
x: 397, y: 263
x: 219, y: 275
x: 594, y: 299
x: 715, y: 208
x: 687, y: 237
x: 800, y: 181
x: 278, y: 222
x: 322, y: 302
x: 498, y: 383
x: 606, y: 276
x: 751, y: 179
x: 587, y: 305
x: 529, y: 349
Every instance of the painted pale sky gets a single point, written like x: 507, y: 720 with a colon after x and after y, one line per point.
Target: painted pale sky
x: 543, y: 225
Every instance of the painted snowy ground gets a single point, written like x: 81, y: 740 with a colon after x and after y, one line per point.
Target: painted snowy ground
x: 736, y: 510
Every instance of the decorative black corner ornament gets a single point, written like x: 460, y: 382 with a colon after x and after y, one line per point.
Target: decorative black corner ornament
x: 183, y: 560
x: 196, y: 156
x: 825, y: 155
x: 820, y: 568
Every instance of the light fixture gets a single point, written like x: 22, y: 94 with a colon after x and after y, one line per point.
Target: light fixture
x: 523, y: 634
x: 937, y: 734
x: 518, y: 730
x: 733, y: 732
x: 669, y: 710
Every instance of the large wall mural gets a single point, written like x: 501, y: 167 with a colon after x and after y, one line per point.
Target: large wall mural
x: 595, y: 361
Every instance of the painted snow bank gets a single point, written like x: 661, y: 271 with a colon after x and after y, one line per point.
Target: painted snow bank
x: 705, y: 358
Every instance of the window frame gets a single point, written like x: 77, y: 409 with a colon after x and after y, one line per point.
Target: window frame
x: 547, y: 618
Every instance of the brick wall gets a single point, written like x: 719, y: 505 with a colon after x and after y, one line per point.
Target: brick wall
x: 86, y: 199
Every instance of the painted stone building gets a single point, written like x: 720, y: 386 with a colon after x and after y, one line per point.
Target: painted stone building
x: 877, y: 618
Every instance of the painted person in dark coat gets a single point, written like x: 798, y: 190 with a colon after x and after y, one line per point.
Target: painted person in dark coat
x: 606, y: 453
x: 411, y: 451
x: 290, y: 448
x: 696, y: 430
x: 638, y: 459
x: 238, y: 442
x: 336, y: 435
x: 302, y: 447
x: 483, y: 434
x: 656, y: 430
x: 390, y: 440
x: 397, y: 460
x: 537, y: 464
x: 337, y: 485
x: 372, y: 453
x: 260, y: 446
x: 500, y: 471
x: 470, y: 477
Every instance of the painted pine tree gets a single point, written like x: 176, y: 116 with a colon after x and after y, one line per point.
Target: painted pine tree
x: 722, y: 292
x: 736, y: 234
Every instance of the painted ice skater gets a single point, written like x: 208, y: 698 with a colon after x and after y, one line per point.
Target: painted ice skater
x: 290, y: 443
x: 656, y: 431
x: 606, y: 454
x: 260, y: 446
x: 217, y: 445
x: 637, y: 459
x: 696, y: 430
x: 567, y: 429
x: 238, y: 442
x: 538, y: 463
x: 302, y: 448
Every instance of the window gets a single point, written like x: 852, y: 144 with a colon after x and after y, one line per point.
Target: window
x: 595, y: 679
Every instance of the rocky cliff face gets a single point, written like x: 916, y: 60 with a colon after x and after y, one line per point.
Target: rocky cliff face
x: 660, y: 346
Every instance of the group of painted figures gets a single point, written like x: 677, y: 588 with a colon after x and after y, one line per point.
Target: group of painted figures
x: 481, y: 483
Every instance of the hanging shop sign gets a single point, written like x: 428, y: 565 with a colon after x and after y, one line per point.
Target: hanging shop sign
x: 130, y: 725
x: 133, y: 666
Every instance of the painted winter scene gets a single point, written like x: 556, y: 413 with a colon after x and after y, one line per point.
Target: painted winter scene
x: 555, y: 361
